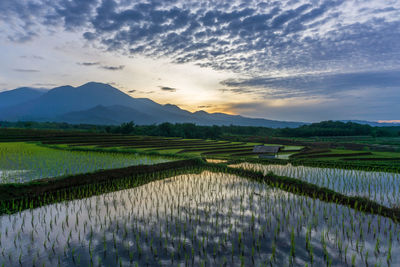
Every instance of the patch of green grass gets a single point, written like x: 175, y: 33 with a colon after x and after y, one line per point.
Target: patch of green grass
x: 292, y: 148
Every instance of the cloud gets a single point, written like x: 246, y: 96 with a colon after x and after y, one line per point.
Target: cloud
x: 321, y: 96
x: 205, y: 106
x: 241, y: 36
x: 101, y: 66
x: 45, y: 84
x: 145, y: 92
x: 311, y: 85
x: 88, y: 63
x: 167, y: 89
x: 25, y: 70
x: 305, y: 51
x: 75, y: 13
x: 113, y: 68
x: 32, y: 57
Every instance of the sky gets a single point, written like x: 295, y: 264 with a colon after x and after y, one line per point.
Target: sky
x: 284, y: 60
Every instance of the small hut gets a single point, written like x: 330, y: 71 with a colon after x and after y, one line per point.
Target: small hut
x: 266, y: 151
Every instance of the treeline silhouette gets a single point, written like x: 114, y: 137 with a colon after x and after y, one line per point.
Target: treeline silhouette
x: 191, y: 130
x: 188, y: 130
x: 335, y: 128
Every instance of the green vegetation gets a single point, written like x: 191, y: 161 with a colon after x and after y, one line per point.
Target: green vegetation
x: 316, y: 204
x: 337, y: 128
x: 21, y: 162
x: 190, y: 130
x: 19, y: 196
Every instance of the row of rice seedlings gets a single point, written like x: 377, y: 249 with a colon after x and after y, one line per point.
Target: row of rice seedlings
x: 381, y: 187
x: 383, y: 166
x: 21, y: 162
x: 78, y: 192
x: 198, y: 220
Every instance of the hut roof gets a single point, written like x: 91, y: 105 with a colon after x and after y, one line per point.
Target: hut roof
x: 266, y: 149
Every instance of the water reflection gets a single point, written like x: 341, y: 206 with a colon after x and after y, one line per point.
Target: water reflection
x: 381, y: 187
x: 207, y: 218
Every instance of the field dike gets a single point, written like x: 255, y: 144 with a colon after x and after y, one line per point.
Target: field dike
x: 18, y: 197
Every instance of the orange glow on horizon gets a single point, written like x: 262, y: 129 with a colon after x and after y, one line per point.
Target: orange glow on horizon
x: 389, y: 121
x: 209, y: 109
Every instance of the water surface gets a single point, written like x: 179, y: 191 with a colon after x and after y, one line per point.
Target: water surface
x: 208, y: 218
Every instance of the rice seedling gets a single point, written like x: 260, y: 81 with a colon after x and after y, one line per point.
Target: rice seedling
x: 22, y: 162
x: 198, y: 219
x: 378, y: 186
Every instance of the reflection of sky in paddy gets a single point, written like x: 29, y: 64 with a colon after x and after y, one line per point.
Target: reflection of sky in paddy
x: 193, y: 218
x: 12, y: 176
x: 382, y: 187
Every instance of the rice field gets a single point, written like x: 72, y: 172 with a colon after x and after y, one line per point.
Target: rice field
x: 206, y: 219
x: 200, y: 219
x: 382, y: 187
x: 23, y: 162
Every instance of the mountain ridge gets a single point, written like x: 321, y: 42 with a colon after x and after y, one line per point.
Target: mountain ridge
x: 19, y: 95
x: 101, y: 103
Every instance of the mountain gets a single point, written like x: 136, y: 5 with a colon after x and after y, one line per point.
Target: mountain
x: 66, y: 99
x: 106, y: 115
x: 98, y: 103
x: 19, y: 95
x: 225, y: 119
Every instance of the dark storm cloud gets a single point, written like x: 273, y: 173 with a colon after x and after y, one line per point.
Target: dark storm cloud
x: 167, y: 89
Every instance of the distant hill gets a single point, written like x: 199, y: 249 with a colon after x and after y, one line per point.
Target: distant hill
x: 19, y: 95
x: 102, y: 115
x: 373, y: 123
x: 98, y: 103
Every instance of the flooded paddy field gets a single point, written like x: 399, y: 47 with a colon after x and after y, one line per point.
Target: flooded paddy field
x: 206, y: 219
x: 382, y: 187
x: 23, y: 162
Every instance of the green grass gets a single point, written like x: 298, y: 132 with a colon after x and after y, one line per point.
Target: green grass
x: 292, y: 148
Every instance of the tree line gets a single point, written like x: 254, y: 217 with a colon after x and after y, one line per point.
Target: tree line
x: 191, y: 130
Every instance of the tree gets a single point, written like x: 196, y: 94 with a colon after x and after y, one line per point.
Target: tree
x: 127, y: 128
x: 166, y: 129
